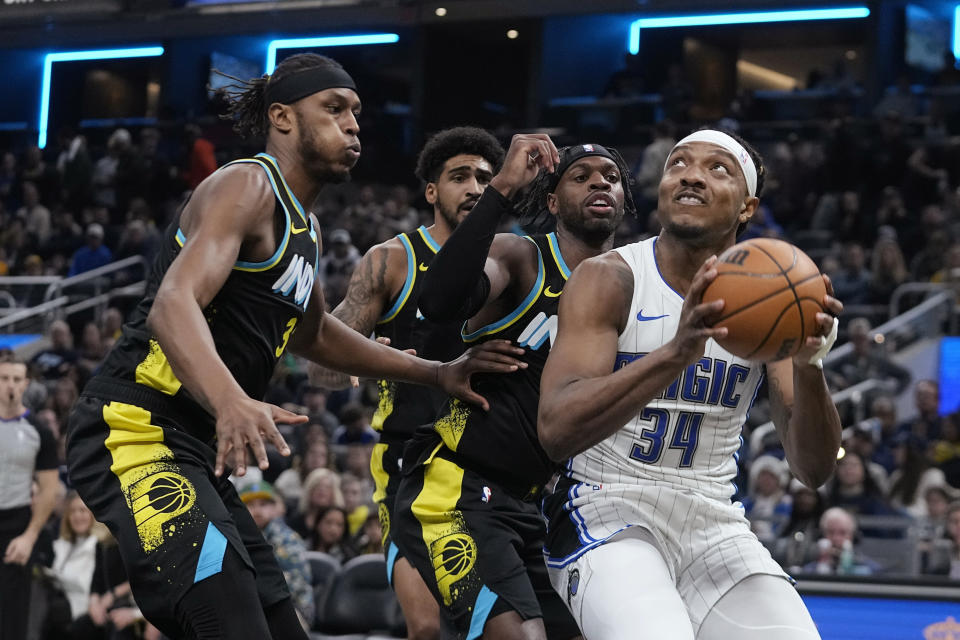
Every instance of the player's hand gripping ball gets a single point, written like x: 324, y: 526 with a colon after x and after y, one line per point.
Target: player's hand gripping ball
x: 772, y: 293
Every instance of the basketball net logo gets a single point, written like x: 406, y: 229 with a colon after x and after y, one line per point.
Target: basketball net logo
x: 453, y: 557
x: 160, y: 496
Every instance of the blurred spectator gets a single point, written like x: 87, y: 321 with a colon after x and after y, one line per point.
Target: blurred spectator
x: 56, y: 360
x: 289, y: 548
x: 106, y: 169
x: 882, y: 425
x: 945, y: 451
x: 926, y: 424
x: 76, y: 171
x: 929, y: 260
x: 355, y: 502
x: 766, y: 504
x: 865, y: 361
x: 837, y: 552
x: 806, y: 507
x: 75, y: 556
x: 854, y: 489
x: 888, y: 270
x: 111, y: 325
x: 63, y: 398
x: 112, y: 612
x: 852, y: 283
x: 93, y: 255
x: 314, y: 400
x: 8, y: 179
x: 35, y: 170
x: 652, y: 162
x: 626, y: 82
x: 35, y: 216
x: 336, y: 266
x: 762, y: 225
x: 321, y: 489
x: 354, y: 428
x: 370, y: 539
x: 950, y: 273
x: 92, y: 350
x: 909, y: 482
x: 28, y: 453
x: 315, y: 454
x: 201, y: 157
x: 330, y: 535
x: 860, y: 439
x: 945, y: 560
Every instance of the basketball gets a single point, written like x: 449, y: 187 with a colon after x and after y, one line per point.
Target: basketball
x: 772, y: 293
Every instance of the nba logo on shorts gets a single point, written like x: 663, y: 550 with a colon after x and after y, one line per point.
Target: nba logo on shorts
x: 486, y: 494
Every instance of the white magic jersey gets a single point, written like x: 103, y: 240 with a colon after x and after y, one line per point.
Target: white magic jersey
x: 689, y: 435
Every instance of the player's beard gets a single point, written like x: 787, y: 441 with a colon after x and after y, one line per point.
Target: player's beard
x: 315, y: 164
x: 450, y: 214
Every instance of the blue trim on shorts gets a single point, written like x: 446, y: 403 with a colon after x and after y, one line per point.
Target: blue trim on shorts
x: 559, y: 563
x: 211, y: 554
x: 392, y: 552
x: 481, y: 611
x: 578, y: 521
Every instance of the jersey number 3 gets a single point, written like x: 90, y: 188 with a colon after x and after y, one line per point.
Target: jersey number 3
x: 686, y: 436
x: 291, y: 323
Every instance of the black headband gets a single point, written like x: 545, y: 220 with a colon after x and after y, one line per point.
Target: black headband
x: 569, y: 155
x: 301, y: 84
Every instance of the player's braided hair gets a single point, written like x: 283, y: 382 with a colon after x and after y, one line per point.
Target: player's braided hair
x: 451, y: 142
x: 534, y: 217
x: 247, y: 98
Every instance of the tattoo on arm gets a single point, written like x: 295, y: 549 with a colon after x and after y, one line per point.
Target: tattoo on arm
x: 780, y: 411
x: 361, y: 308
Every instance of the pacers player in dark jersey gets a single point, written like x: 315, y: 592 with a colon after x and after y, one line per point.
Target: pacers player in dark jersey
x: 382, y: 298
x: 467, y: 507
x: 176, y: 400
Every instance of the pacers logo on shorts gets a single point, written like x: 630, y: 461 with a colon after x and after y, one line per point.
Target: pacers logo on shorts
x: 157, y: 498
x: 453, y: 557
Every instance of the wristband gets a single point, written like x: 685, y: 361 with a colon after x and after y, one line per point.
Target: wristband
x: 826, y: 343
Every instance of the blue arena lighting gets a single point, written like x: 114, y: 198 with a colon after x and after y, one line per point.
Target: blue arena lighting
x: 956, y: 36
x: 71, y: 56
x: 751, y: 17
x: 325, y: 41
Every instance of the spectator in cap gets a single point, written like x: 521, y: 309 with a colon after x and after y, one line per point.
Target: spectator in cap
x: 93, y: 254
x: 267, y: 510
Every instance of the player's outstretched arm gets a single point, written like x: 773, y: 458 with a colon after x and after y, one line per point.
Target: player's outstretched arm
x: 372, y: 285
x: 472, y: 267
x: 803, y: 412
x: 326, y: 340
x: 226, y: 210
x: 582, y: 399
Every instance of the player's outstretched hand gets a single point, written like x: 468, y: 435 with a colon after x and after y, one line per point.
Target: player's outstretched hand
x: 817, y: 345
x: 697, y: 317
x: 245, y: 423
x: 527, y: 155
x: 494, y: 356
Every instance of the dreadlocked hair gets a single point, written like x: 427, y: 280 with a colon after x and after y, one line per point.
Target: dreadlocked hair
x: 247, y: 98
x: 531, y: 208
x: 757, y: 162
x: 453, y: 142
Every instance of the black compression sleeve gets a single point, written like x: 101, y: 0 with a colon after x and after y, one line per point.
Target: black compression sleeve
x: 455, y: 287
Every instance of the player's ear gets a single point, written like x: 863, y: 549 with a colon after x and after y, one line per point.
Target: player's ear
x: 430, y: 193
x: 748, y: 209
x: 552, y: 206
x: 281, y: 117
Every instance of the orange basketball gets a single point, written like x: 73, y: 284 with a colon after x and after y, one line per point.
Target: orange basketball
x: 772, y: 292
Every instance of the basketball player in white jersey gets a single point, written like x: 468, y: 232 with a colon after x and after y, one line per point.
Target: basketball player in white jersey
x: 643, y: 540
